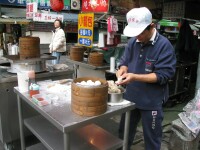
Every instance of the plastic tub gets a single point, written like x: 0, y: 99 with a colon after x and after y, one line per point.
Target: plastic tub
x: 41, y: 100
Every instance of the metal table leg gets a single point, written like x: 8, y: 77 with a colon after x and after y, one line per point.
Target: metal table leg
x: 66, y: 141
x: 126, y: 130
x: 177, y: 80
x: 21, y: 127
x: 75, y: 67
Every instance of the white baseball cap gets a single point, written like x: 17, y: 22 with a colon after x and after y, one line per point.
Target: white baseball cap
x: 138, y: 19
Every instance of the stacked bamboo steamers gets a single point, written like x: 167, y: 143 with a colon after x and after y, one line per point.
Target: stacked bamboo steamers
x: 89, y: 100
x: 29, y: 47
x: 89, y: 95
x: 94, y: 58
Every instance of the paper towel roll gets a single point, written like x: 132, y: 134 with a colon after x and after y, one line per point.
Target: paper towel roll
x: 112, y: 64
x: 101, y: 42
x: 22, y: 78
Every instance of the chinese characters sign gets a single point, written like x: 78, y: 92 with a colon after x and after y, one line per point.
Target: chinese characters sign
x: 30, y: 9
x: 44, y: 17
x: 85, y: 29
x: 42, y: 4
x: 95, y: 6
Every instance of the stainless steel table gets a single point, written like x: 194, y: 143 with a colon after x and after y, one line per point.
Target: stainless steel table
x: 65, y: 124
x: 9, y: 121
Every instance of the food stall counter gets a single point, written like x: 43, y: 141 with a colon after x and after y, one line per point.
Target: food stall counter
x: 57, y: 127
x: 9, y: 125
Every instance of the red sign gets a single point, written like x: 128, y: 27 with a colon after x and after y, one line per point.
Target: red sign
x: 98, y: 6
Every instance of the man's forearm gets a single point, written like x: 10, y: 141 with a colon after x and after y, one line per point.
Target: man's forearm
x: 149, y: 78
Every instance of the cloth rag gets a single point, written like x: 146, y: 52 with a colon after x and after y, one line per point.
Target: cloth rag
x: 60, y: 66
x: 124, y: 102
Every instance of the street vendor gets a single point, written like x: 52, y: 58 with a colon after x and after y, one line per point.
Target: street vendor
x: 148, y: 63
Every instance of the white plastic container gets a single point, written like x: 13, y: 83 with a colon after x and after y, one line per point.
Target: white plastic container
x: 112, y: 64
x: 41, y: 99
x: 22, y: 78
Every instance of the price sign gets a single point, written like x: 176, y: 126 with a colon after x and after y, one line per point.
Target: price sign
x: 44, y: 17
x: 85, y: 41
x: 85, y: 32
x: 85, y: 29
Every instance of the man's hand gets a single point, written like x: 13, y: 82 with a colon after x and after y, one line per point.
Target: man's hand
x: 131, y: 77
x: 121, y: 71
x: 126, y: 78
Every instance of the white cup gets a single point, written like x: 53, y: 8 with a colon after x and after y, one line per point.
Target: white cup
x: 112, y: 64
x: 22, y: 78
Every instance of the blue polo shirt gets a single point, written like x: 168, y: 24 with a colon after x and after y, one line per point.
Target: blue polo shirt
x: 157, y: 56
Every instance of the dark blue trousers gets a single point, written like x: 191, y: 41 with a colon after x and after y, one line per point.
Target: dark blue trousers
x: 152, y: 127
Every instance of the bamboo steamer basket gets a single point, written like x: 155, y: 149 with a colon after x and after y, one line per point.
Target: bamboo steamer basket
x: 29, y: 47
x: 76, y: 53
x: 95, y: 58
x: 89, y: 100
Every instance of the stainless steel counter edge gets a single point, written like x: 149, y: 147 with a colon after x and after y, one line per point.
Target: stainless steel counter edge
x: 16, y: 58
x: 13, y: 77
x: 86, y: 65
x: 110, y: 113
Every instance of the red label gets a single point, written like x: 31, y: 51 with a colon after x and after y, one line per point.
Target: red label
x: 95, y: 6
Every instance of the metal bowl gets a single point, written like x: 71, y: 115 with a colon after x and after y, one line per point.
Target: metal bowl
x: 116, y: 97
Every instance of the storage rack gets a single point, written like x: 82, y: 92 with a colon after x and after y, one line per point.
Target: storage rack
x: 180, y: 85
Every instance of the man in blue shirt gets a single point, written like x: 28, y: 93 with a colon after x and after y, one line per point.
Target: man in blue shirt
x: 146, y: 66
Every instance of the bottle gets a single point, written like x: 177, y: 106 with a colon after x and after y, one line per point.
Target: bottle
x: 34, y: 89
x: 31, y: 78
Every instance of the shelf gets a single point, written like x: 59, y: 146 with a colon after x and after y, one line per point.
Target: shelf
x: 38, y: 146
x: 178, y: 93
x: 172, y: 39
x: 167, y: 31
x: 87, y: 65
x: 108, y: 71
x: 90, y: 137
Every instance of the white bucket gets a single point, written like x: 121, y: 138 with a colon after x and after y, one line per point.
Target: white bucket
x: 22, y: 78
x: 112, y: 64
x: 14, y: 50
x: 1, y: 52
